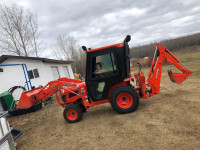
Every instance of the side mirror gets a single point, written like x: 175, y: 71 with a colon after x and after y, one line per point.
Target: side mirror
x: 84, y: 48
x: 127, y: 39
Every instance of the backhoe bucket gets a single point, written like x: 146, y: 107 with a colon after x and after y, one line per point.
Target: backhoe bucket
x: 177, y: 77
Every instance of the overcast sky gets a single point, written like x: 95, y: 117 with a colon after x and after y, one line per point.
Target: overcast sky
x: 97, y: 23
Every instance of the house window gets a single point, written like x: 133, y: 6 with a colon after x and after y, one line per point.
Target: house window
x: 33, y: 73
x: 66, y: 71
x: 30, y: 73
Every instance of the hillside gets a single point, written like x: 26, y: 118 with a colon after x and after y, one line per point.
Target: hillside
x: 177, y: 44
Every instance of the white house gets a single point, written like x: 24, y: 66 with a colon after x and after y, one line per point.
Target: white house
x: 40, y: 70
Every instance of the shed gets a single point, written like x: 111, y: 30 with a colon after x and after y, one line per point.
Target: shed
x: 40, y: 70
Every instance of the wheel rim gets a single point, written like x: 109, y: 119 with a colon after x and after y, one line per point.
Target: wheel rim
x: 72, y: 114
x: 124, y: 100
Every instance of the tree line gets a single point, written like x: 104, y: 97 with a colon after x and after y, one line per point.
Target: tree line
x: 172, y: 45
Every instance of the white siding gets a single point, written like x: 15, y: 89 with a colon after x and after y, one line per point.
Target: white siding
x: 60, y: 69
x: 13, y: 75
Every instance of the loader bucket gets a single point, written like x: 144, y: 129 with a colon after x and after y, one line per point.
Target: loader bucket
x: 177, y: 77
x: 27, y: 99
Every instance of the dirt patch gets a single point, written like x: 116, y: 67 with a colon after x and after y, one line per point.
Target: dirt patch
x: 169, y: 120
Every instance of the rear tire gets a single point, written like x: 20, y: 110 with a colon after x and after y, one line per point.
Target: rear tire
x: 72, y: 113
x: 124, y: 99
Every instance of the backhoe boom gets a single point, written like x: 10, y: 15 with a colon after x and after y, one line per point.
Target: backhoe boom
x: 156, y: 70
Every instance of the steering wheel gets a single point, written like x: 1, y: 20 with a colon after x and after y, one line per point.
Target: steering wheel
x: 98, y: 75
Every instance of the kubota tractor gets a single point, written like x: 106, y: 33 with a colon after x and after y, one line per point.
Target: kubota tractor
x: 108, y: 80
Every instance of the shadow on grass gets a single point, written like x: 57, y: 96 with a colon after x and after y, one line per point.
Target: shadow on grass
x: 108, y: 111
x: 100, y: 112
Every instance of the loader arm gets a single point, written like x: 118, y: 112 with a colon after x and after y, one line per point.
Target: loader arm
x: 32, y: 97
x: 156, y: 69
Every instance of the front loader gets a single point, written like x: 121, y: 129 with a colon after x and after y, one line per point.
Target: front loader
x: 108, y: 80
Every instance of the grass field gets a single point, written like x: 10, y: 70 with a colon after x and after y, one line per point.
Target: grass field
x: 169, y: 120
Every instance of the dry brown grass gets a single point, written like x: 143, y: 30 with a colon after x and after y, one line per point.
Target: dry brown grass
x: 169, y: 120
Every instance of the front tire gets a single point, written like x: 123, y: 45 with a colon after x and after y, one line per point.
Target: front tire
x: 72, y: 113
x: 124, y: 99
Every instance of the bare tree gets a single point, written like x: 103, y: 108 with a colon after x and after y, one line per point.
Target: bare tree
x: 67, y: 48
x: 64, y: 46
x: 19, y: 31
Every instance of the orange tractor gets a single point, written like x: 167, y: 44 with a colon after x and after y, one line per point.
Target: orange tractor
x: 108, y: 78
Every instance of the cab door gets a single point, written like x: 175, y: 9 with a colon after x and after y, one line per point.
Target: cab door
x: 102, y: 73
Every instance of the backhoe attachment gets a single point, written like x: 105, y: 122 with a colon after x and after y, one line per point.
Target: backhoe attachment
x: 152, y: 86
x: 156, y: 68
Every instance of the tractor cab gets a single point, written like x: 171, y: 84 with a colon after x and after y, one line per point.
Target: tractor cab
x: 106, y: 67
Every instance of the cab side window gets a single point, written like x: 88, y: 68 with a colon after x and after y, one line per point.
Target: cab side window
x: 104, y: 66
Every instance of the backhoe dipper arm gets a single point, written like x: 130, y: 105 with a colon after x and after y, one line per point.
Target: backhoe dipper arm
x: 156, y: 68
